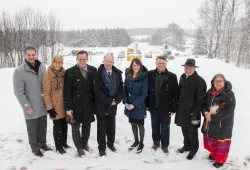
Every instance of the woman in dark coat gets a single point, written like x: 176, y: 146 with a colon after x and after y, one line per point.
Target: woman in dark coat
x: 136, y: 90
x: 218, y: 122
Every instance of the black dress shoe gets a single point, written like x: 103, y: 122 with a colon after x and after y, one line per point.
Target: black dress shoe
x: 134, y: 145
x: 190, y: 155
x: 140, y: 148
x: 66, y: 146
x: 112, y: 148
x: 102, y: 153
x: 217, y: 165
x: 61, y: 151
x: 183, y: 149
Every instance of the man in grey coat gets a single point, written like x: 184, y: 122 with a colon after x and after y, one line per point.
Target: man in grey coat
x: 27, y: 84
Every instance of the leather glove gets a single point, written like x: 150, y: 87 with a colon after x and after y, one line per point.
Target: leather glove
x: 52, y: 113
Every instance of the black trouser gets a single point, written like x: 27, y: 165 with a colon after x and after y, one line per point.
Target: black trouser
x: 160, y: 129
x: 37, y: 130
x: 80, y: 139
x: 60, y: 130
x: 191, y: 140
x: 105, y: 127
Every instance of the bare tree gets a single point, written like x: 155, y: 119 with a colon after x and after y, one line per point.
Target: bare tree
x: 27, y: 28
x: 244, y: 46
x: 232, y: 13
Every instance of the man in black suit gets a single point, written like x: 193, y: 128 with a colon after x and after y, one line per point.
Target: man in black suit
x: 79, y: 100
x: 108, y: 88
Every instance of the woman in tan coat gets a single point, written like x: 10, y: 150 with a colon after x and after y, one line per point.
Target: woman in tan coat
x: 53, y: 82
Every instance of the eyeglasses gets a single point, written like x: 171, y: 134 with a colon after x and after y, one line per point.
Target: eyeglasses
x: 218, y: 81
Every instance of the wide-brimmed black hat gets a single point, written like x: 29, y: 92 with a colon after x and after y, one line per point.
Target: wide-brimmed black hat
x: 190, y: 63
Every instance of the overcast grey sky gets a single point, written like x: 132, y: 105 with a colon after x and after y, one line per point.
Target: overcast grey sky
x: 79, y: 14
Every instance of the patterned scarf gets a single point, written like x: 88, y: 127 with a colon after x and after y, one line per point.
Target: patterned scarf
x: 59, y: 78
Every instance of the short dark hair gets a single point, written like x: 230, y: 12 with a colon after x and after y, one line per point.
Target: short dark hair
x: 29, y: 48
x: 161, y: 58
x: 82, y: 52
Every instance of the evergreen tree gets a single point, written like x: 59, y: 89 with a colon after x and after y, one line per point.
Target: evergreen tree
x: 200, y: 45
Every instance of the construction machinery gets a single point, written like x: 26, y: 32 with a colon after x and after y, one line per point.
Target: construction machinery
x: 133, y: 52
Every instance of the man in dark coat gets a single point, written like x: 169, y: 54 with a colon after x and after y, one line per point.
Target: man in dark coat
x: 79, y: 99
x: 162, y: 102
x: 108, y: 88
x: 192, y: 91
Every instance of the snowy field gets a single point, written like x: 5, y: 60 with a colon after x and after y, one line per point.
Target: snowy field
x: 15, y: 151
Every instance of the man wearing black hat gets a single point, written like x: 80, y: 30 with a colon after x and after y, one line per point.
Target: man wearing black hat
x: 192, y: 91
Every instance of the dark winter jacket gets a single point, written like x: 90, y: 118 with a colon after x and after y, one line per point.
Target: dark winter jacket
x: 136, y: 92
x: 221, y: 125
x: 162, y: 95
x: 79, y: 95
x: 102, y: 91
x: 192, y: 92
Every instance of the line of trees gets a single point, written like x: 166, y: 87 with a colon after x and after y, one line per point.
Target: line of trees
x: 27, y: 28
x: 173, y: 35
x: 224, y: 30
x: 96, y: 38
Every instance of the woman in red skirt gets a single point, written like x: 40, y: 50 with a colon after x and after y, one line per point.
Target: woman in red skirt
x: 218, y: 123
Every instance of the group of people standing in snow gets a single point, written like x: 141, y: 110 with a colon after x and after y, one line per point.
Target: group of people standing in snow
x: 74, y: 96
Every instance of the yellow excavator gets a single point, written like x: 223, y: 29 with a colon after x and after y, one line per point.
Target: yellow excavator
x: 133, y: 52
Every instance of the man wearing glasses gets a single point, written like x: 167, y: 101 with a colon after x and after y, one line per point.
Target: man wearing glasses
x: 79, y: 100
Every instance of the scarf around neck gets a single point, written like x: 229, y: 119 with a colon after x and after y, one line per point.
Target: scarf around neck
x: 59, y: 77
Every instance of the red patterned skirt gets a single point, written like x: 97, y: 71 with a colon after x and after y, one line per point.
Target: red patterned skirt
x: 218, y: 149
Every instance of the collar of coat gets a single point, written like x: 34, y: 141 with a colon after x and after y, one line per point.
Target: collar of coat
x: 76, y: 67
x: 30, y: 67
x: 165, y: 72
x: 116, y: 70
x: 190, y: 78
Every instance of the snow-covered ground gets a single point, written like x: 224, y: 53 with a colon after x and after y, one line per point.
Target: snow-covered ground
x: 15, y: 152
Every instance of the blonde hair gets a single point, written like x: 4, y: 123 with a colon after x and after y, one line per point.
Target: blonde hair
x: 57, y: 58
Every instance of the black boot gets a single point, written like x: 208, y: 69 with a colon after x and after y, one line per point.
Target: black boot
x: 61, y: 151
x: 210, y: 158
x: 66, y: 146
x: 191, y: 155
x: 217, y: 165
x: 102, y: 153
x: 183, y: 149
x: 112, y: 148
